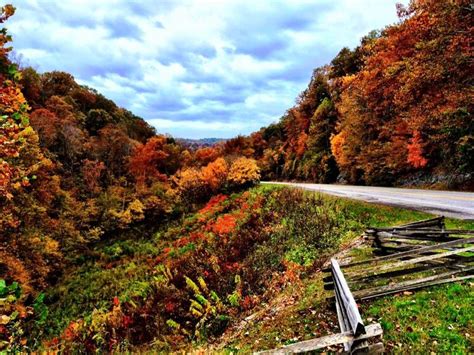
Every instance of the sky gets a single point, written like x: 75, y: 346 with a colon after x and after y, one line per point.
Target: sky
x: 194, y: 68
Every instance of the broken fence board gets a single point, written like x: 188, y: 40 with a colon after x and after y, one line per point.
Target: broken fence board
x: 411, y: 252
x: 380, y: 268
x: 382, y: 289
x: 415, y: 287
x: 348, y: 302
x: 432, y: 265
x: 371, y: 330
x: 437, y: 221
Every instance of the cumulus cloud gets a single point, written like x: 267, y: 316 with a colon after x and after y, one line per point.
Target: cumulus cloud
x: 194, y: 68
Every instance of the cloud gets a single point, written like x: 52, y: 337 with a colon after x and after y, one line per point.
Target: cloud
x: 194, y: 68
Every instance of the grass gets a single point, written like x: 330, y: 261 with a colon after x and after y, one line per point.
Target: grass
x: 436, y: 319
x: 297, y: 309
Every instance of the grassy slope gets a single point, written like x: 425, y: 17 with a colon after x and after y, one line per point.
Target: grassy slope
x: 299, y: 311
x: 438, y: 319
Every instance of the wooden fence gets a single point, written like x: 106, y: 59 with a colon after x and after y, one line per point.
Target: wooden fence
x: 354, y: 334
x: 407, y: 257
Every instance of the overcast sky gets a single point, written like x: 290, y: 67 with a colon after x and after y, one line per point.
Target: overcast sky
x: 194, y: 68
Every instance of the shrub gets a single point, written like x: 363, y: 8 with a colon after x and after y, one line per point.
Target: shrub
x: 244, y: 171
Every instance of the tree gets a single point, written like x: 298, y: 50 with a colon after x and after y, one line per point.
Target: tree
x: 31, y: 86
x: 96, y: 120
x: 215, y: 174
x: 28, y: 251
x: 206, y: 155
x: 412, y: 85
x: 191, y: 186
x: 148, y: 161
x: 57, y: 83
x: 244, y: 172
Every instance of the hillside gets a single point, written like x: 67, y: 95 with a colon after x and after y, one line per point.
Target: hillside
x: 199, y: 143
x: 115, y: 238
x: 395, y: 110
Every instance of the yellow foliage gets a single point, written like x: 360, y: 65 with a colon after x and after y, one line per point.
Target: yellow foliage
x: 190, y: 184
x: 51, y: 246
x: 244, y: 171
x: 337, y: 148
x: 133, y: 213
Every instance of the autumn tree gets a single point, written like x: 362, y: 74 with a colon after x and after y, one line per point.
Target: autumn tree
x: 412, y: 87
x: 57, y: 83
x: 215, y: 174
x: 244, y: 172
x: 24, y: 172
x: 190, y: 186
x: 206, y: 155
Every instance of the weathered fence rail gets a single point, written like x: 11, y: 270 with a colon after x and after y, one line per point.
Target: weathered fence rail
x: 354, y: 334
x: 425, y: 251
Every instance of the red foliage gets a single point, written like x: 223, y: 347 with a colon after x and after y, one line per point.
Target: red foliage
x: 213, y: 204
x: 415, y: 151
x: 170, y: 306
x: 224, y: 225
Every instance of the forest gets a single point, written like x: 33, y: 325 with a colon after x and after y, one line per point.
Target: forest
x: 396, y: 110
x: 116, y: 237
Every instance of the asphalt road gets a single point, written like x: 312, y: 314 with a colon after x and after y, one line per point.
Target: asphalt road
x: 447, y: 203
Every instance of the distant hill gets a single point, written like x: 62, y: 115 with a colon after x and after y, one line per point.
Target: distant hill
x: 199, y: 143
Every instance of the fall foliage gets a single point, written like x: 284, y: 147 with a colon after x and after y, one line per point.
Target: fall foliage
x: 91, y: 194
x: 396, y: 107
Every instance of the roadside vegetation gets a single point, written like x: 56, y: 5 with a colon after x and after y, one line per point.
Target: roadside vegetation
x: 116, y: 238
x: 257, y: 254
x: 437, y: 318
x: 188, y: 282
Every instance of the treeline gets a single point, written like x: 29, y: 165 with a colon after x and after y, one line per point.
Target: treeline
x: 76, y: 169
x: 396, y: 107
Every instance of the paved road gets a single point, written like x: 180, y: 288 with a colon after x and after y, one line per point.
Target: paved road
x: 448, y: 203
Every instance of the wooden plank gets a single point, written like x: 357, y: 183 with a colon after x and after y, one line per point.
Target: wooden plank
x: 410, y: 252
x: 432, y: 232
x: 417, y: 286
x: 434, y: 238
x: 433, y: 265
x: 343, y: 320
x: 371, y: 330
x: 426, y: 231
x: 348, y: 302
x: 402, y: 263
x: 383, y: 289
x: 437, y: 221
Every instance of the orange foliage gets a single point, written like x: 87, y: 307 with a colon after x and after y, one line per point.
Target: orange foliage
x: 147, y: 159
x: 337, y: 148
x: 215, y: 173
x: 415, y: 151
x: 206, y: 155
x: 225, y: 224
